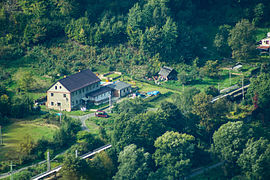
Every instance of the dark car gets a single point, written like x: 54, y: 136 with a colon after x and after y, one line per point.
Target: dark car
x: 101, y: 114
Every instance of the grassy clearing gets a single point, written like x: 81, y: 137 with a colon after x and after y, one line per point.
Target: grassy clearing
x: 222, y: 82
x: 146, y: 87
x: 39, y: 86
x: 78, y: 112
x: 261, y: 33
x: 94, y: 123
x: 155, y: 101
x: 113, y: 75
x: 15, y: 133
x: 93, y: 127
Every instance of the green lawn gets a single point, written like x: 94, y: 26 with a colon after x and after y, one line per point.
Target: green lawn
x: 113, y: 75
x: 261, y: 33
x: 223, y: 81
x: 146, y: 87
x: 78, y: 112
x: 14, y: 133
x: 94, y: 123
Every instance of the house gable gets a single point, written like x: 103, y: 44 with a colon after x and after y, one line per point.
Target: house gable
x: 58, y: 87
x: 168, y: 73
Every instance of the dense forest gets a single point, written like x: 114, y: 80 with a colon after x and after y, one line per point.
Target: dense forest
x: 54, y: 38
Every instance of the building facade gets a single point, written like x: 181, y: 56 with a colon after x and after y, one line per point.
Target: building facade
x: 120, y: 89
x: 265, y: 44
x: 75, y: 90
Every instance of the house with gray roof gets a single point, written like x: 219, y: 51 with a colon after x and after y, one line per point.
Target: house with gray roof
x: 120, y: 89
x: 75, y: 90
x: 167, y: 73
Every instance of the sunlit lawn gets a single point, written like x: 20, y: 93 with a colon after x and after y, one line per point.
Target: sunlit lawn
x: 16, y: 132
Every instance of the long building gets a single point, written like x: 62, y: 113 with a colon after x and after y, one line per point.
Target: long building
x: 76, y: 90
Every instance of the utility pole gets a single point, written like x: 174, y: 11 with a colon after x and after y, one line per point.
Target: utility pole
x: 48, y: 161
x: 11, y: 171
x: 60, y: 114
x: 1, y: 138
x: 230, y: 76
x: 243, y: 87
x: 110, y: 102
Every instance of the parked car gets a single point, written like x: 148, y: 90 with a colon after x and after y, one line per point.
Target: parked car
x: 101, y: 114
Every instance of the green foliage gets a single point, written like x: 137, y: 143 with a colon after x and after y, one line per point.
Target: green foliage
x: 211, y: 90
x: 260, y: 85
x: 74, y: 168
x: 221, y: 40
x: 26, y: 81
x: 141, y: 130
x: 150, y: 28
x: 242, y: 40
x: 230, y: 140
x: 84, y: 137
x: 259, y: 13
x: 78, y: 30
x: 255, y: 159
x: 134, y: 163
x: 173, y: 117
x: 211, y: 68
x: 101, y: 166
x: 203, y: 107
x: 132, y: 107
x: 173, y: 152
x: 185, y: 101
x: 66, y: 135
x: 21, y: 106
x: 26, y: 148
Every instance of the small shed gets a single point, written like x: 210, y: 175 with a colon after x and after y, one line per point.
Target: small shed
x: 237, y: 66
x: 167, y: 73
x: 120, y: 88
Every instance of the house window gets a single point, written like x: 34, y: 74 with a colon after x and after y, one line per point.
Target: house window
x: 60, y: 87
x: 64, y: 95
x: 51, y: 94
x: 55, y: 87
x: 72, y: 103
x: 52, y: 103
x: 58, y: 104
x: 83, y: 90
x: 266, y: 42
x: 76, y: 101
x: 80, y: 91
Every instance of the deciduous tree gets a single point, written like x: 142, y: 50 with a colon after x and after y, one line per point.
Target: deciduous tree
x: 174, y: 152
x: 255, y: 159
x: 135, y: 164
x: 230, y: 139
x: 242, y: 40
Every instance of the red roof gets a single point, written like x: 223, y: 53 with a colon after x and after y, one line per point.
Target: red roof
x: 263, y: 47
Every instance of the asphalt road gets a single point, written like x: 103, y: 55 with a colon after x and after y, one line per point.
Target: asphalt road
x: 83, y: 119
